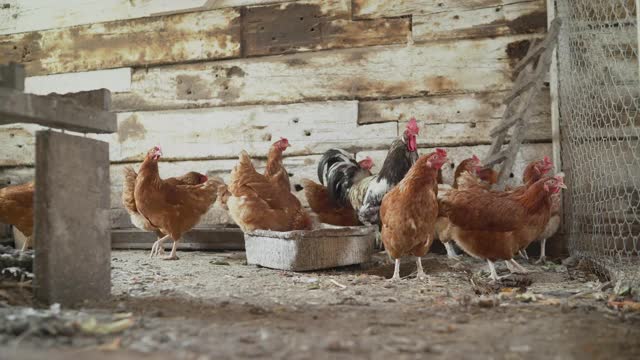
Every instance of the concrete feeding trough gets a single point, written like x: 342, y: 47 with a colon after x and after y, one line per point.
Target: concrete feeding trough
x: 322, y: 248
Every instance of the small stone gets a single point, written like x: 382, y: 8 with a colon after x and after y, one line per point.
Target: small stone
x: 391, y: 300
x: 486, y: 302
x: 339, y: 346
x: 218, y: 262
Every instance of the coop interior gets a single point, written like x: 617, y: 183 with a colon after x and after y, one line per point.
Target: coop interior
x: 307, y: 179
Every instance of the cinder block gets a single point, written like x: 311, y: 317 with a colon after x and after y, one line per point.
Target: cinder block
x: 72, y: 234
x: 324, y: 248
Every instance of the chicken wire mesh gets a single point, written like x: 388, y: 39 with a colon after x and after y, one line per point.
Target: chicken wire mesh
x: 599, y: 99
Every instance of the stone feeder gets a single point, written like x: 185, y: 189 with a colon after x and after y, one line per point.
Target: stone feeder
x: 304, y: 250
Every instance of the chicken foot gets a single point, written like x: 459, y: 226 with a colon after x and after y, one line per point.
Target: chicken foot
x: 173, y: 255
x: 158, y: 247
x: 543, y: 257
x: 451, y: 251
x: 515, y: 268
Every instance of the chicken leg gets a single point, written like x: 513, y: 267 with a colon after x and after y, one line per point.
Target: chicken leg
x: 515, y: 268
x: 26, y: 244
x: 396, y: 271
x: 173, y: 255
x: 158, y: 246
x: 523, y: 254
x: 451, y: 251
x: 421, y: 275
x: 492, y: 269
x: 543, y: 257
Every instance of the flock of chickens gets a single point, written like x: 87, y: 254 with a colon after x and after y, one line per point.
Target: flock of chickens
x: 405, y: 199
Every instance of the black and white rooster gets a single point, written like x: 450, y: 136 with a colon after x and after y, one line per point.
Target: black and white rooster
x: 348, y: 183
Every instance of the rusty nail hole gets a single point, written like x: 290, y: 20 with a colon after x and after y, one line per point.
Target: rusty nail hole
x: 15, y: 47
x: 290, y: 174
x: 296, y: 120
x: 6, y: 6
x: 307, y: 133
x: 441, y: 4
x: 226, y: 87
x: 20, y: 146
x: 472, y: 125
x: 453, y: 165
x: 511, y: 175
x: 458, y: 112
x: 298, y: 187
x: 301, y: 18
x: 273, y: 38
x: 261, y: 28
x: 498, y: 9
x: 456, y: 17
x: 313, y: 29
x: 188, y: 91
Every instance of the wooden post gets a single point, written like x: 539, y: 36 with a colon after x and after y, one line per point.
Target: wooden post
x: 72, y: 229
x: 553, y: 90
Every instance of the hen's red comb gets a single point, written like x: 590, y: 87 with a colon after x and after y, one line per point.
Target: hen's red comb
x: 412, y: 126
x: 475, y: 158
x: 441, y: 152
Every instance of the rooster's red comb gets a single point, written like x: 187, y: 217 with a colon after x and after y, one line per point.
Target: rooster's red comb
x: 412, y: 126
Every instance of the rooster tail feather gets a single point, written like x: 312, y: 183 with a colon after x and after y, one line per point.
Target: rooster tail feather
x: 329, y: 159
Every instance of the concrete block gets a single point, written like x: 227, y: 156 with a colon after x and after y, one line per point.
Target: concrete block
x: 323, y: 248
x: 72, y: 234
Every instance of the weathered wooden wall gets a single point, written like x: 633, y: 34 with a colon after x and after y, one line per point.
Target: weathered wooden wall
x: 206, y: 79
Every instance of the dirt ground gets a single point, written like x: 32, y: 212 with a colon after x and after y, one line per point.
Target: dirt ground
x: 213, y: 305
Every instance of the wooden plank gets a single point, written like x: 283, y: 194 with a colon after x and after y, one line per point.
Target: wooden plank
x: 369, y: 9
x: 296, y: 27
x: 221, y: 133
x: 18, y: 16
x: 167, y: 39
x: 12, y: 76
x: 97, y: 99
x: 17, y: 107
x: 364, y: 73
x: 455, y: 120
x: 528, y: 153
x: 503, y: 19
x: 114, y: 80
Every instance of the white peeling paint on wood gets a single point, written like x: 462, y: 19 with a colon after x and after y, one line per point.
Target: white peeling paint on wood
x: 206, y: 35
x: 114, y: 80
x: 528, y: 153
x: 383, y: 8
x: 23, y: 16
x: 510, y: 18
x: 386, y: 71
x: 211, y: 133
x: 462, y: 119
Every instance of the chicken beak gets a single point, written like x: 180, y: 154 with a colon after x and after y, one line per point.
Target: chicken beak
x: 563, y: 186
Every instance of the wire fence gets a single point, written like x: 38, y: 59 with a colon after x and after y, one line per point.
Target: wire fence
x: 599, y: 97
